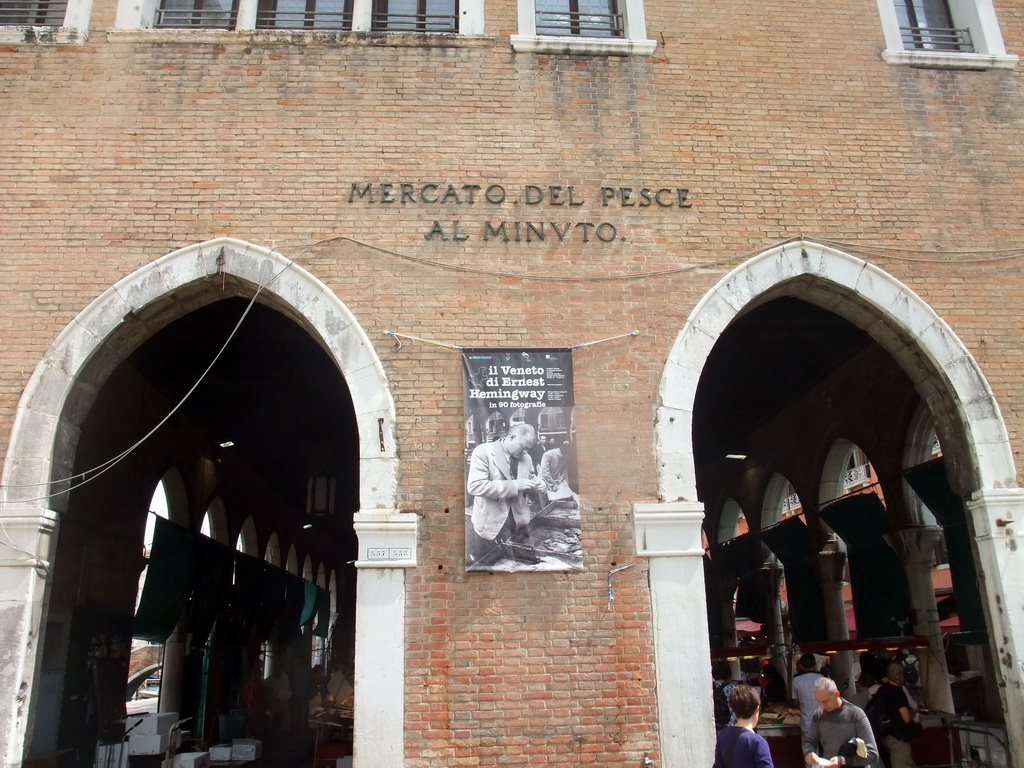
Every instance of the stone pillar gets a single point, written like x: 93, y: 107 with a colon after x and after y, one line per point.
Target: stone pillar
x: 777, y: 648
x: 831, y: 567
x: 24, y: 581
x: 916, y: 547
x: 387, y: 546
x: 173, y: 670
x: 669, y: 535
x: 998, y: 516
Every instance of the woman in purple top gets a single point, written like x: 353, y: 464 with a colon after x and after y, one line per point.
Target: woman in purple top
x: 738, y: 746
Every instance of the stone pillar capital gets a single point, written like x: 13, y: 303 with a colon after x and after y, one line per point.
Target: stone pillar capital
x: 671, y: 529
x: 831, y: 567
x: 387, y: 538
x: 915, y: 544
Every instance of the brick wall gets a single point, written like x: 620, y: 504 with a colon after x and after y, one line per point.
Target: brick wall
x: 780, y: 119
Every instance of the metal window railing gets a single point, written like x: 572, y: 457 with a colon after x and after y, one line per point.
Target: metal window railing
x: 937, y: 39
x: 269, y: 19
x: 38, y: 13
x: 195, y: 18
x: 580, y: 23
x: 415, y: 22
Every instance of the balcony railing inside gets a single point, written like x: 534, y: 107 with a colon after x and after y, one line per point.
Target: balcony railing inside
x: 581, y: 24
x: 415, y: 22
x: 195, y: 18
x: 18, y: 13
x: 267, y: 18
x: 937, y: 39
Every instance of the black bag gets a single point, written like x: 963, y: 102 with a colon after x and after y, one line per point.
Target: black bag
x: 885, y: 718
x: 882, y: 723
x: 722, y: 711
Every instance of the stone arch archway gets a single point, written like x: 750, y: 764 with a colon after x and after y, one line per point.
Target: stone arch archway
x: 45, y: 432
x: 925, y: 346
x: 948, y: 379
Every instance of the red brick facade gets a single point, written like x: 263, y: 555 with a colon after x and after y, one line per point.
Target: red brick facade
x: 780, y: 120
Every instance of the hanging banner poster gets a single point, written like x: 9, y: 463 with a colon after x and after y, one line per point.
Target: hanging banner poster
x: 522, y: 494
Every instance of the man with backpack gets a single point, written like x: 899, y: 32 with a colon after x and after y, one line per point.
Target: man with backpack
x: 892, y: 719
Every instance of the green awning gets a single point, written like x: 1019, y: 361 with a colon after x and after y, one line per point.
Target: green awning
x: 738, y: 556
x: 172, y: 563
x: 323, y: 613
x: 712, y: 589
x: 210, y: 587
x: 247, y: 594
x: 752, y: 598
x: 790, y: 541
x: 309, y: 603
x: 881, y: 596
x: 931, y: 484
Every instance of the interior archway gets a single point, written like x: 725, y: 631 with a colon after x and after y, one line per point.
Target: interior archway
x: 863, y: 320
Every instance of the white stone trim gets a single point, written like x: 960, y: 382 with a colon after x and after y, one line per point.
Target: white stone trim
x: 387, y: 546
x: 378, y: 739
x: 635, y: 42
x: 582, y: 46
x: 74, y: 30
x: 387, y: 539
x: 669, y: 535
x: 42, y: 442
x: 998, y: 517
x: 141, y: 14
x: 978, y: 16
x: 948, y: 60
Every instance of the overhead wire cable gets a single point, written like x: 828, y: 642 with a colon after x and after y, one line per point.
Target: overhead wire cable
x: 91, y: 474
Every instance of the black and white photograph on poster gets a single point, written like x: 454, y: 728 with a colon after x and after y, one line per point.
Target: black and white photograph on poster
x: 522, y: 485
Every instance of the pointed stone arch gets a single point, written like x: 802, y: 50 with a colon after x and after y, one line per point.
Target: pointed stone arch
x: 967, y: 420
x: 45, y: 431
x: 942, y: 369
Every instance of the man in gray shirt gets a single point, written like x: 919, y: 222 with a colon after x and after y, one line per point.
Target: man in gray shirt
x: 833, y: 726
x: 803, y: 689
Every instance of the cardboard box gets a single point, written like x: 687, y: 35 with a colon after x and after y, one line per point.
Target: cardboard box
x: 246, y: 749
x: 191, y: 760
x: 158, y: 722
x: 148, y: 743
x: 220, y: 753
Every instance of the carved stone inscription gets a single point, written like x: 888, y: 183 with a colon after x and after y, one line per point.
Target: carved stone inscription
x: 562, y: 200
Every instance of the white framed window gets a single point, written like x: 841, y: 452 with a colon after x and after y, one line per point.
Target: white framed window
x: 599, y: 27
x: 459, y: 17
x: 42, y: 22
x: 951, y: 34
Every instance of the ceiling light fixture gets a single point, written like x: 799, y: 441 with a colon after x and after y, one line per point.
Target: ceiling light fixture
x: 226, y: 444
x: 735, y: 455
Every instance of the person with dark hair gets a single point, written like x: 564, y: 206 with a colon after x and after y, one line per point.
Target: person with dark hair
x: 737, y: 746
x: 554, y: 468
x: 803, y: 689
x: 773, y: 687
x: 721, y: 686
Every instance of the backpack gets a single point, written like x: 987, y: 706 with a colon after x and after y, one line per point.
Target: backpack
x: 722, y: 711
x: 879, y: 716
